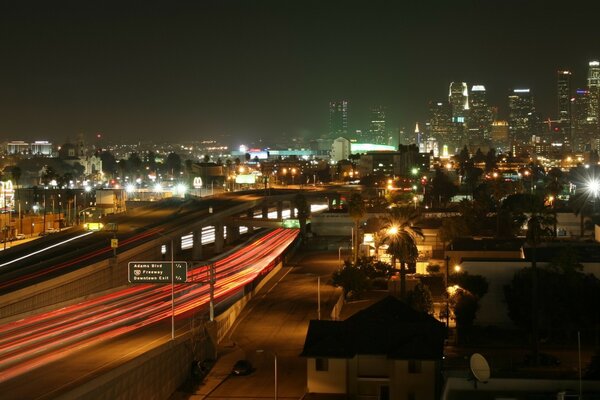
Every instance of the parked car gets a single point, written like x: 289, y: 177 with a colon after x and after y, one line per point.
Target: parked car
x: 20, y: 236
x: 242, y: 367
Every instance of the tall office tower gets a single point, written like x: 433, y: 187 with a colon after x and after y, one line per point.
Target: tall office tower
x: 480, y: 118
x: 338, y: 119
x: 377, y: 132
x: 565, y: 122
x: 458, y: 97
x: 581, y: 128
x: 563, y: 86
x: 520, y: 111
x: 499, y: 135
x: 593, y: 82
x: 440, y: 121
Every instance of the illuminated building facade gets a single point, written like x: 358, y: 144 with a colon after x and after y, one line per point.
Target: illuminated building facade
x: 563, y: 89
x: 338, y: 119
x: 593, y: 82
x: 499, y: 135
x: 458, y: 97
x: 377, y: 128
x: 521, y: 111
x: 480, y: 117
x: 582, y: 129
x: 439, y: 125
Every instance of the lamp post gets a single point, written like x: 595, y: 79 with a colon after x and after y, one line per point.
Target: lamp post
x: 172, y: 287
x: 275, y: 359
x: 447, y: 295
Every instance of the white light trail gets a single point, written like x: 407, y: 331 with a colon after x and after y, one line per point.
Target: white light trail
x: 46, y: 249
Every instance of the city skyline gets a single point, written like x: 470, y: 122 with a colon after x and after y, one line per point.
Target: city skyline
x: 268, y: 70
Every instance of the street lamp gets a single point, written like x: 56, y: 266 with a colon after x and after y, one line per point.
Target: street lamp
x: 293, y: 173
x: 447, y: 294
x: 172, y: 287
x: 275, y: 358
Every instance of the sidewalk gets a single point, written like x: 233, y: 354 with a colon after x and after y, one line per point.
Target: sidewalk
x: 276, y: 319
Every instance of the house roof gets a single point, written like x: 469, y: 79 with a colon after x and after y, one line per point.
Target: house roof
x: 389, y: 327
x: 485, y: 244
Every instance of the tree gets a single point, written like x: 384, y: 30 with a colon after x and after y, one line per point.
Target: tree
x: 400, y: 233
x: 475, y: 284
x: 420, y: 299
x: 173, y: 164
x: 48, y: 174
x: 352, y: 280
x: 465, y: 305
x: 581, y: 207
x: 538, y: 226
x: 109, y: 163
x: 356, y: 210
x: 490, y: 160
x: 441, y: 189
x: 567, y: 293
x: 303, y: 211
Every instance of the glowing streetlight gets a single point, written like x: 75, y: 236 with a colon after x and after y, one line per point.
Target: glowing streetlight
x: 181, y: 189
x: 593, y: 187
x: 158, y: 188
x: 457, y: 268
x: 393, y: 230
x: 130, y: 188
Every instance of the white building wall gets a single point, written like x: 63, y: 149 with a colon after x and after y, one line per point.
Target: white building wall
x: 331, y: 381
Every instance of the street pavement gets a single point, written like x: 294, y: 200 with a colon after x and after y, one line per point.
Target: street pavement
x: 276, y: 322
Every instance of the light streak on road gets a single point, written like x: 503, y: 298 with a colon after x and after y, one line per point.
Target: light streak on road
x: 46, y: 248
x: 38, y: 339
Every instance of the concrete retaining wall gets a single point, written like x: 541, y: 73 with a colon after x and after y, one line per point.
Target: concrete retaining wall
x: 74, y: 286
x: 155, y: 374
x: 159, y: 372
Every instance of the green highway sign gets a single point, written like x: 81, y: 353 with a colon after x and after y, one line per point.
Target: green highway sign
x: 157, y: 271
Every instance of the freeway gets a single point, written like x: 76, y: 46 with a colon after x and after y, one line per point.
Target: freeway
x: 37, y: 340
x: 63, y: 252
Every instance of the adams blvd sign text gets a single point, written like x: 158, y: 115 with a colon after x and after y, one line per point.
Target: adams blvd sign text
x: 157, y: 271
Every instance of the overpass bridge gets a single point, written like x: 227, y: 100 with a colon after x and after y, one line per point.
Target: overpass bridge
x: 184, y: 225
x: 78, y: 267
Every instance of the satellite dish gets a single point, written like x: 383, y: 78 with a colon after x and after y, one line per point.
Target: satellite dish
x: 479, y: 368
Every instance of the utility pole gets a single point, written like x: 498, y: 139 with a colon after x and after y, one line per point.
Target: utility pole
x: 211, y: 281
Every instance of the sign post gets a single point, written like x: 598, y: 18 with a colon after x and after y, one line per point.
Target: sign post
x: 157, y: 271
x: 160, y: 272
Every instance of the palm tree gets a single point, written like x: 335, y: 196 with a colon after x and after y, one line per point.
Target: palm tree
x: 583, y: 207
x: 356, y: 210
x: 303, y: 211
x: 400, y: 233
x: 539, y: 225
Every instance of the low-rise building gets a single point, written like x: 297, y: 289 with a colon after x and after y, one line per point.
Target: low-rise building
x: 386, y: 351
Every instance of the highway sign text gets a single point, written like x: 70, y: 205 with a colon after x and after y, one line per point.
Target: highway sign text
x: 157, y: 271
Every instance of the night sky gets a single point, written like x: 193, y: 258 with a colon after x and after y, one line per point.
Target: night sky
x: 177, y: 70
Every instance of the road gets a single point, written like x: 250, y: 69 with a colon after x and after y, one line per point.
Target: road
x: 41, y: 339
x: 276, y: 322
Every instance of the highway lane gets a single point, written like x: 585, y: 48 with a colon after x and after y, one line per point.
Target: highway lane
x: 63, y: 252
x: 60, y: 253
x: 37, y: 340
x: 275, y: 321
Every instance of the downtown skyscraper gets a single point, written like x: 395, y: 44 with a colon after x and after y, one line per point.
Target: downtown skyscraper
x: 593, y: 83
x: 458, y: 97
x: 521, y: 111
x: 480, y: 116
x: 377, y: 127
x: 338, y: 119
x: 563, y: 90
